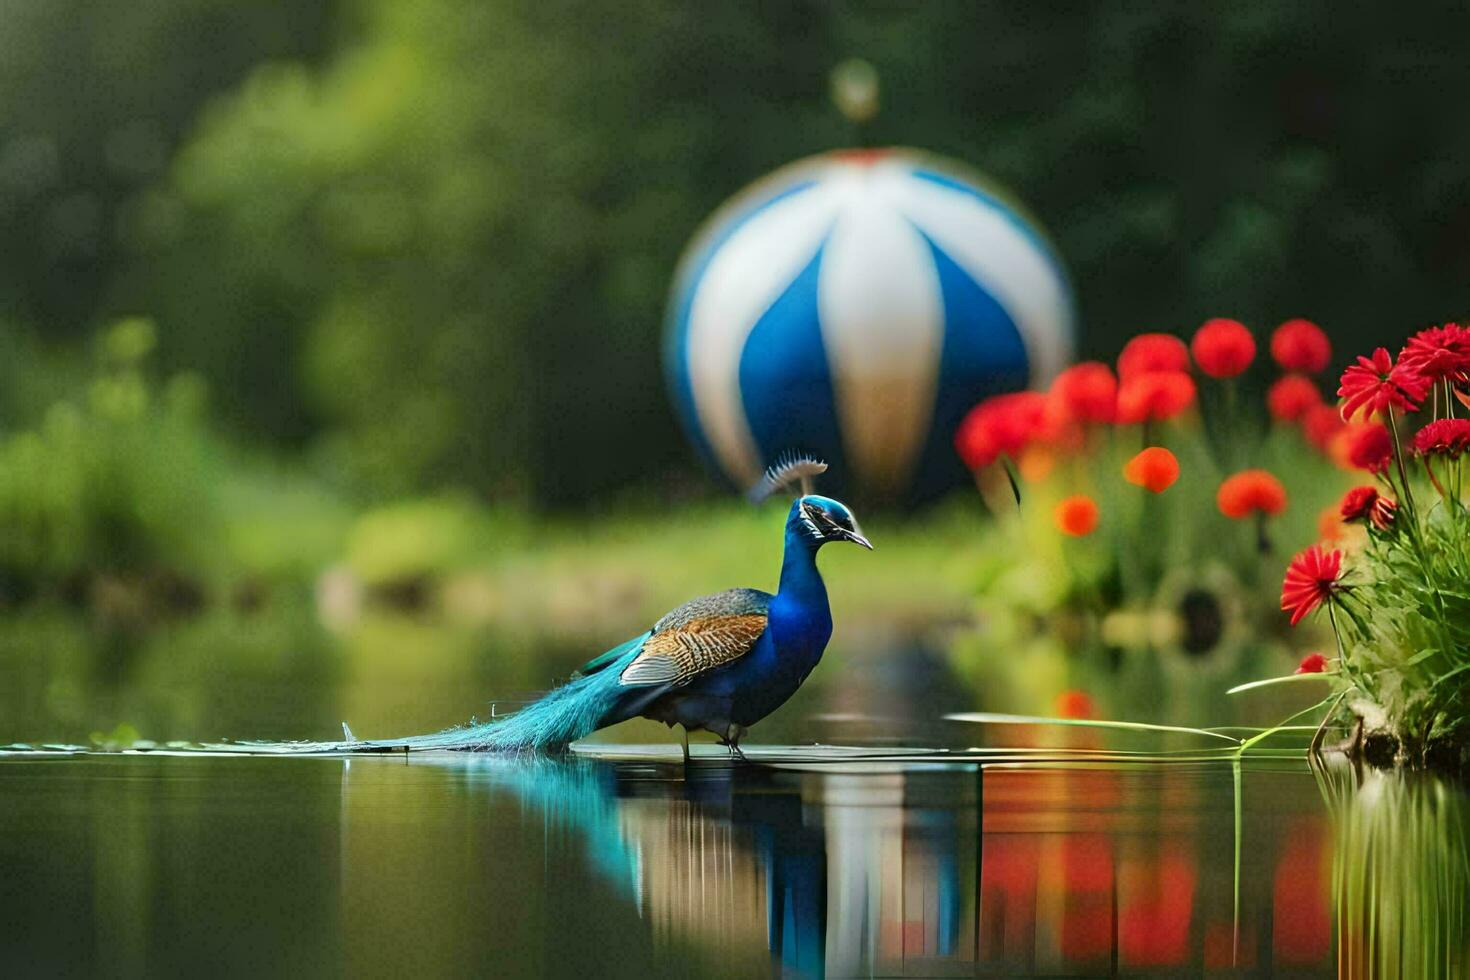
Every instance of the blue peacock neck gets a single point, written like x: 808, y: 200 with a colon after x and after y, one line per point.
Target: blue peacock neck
x: 801, y: 582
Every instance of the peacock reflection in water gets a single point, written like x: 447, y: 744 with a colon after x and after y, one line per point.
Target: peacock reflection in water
x: 818, y: 873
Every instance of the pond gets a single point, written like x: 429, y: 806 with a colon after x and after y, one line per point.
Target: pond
x: 620, y: 861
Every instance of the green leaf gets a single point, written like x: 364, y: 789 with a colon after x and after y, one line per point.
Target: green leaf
x: 1446, y: 676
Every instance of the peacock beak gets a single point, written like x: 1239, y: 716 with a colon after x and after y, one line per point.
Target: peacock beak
x: 856, y: 537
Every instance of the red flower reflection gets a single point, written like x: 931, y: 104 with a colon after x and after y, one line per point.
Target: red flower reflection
x: 1292, y: 396
x: 1151, y: 352
x: 1301, y: 921
x: 1300, y: 345
x: 1154, y: 397
x: 1446, y: 437
x: 1085, y: 392
x: 1156, y: 900
x: 1376, y: 384
x: 1251, y: 492
x: 1311, y: 579
x: 1223, y: 348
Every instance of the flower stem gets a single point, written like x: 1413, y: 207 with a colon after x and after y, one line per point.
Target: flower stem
x: 1435, y: 480
x: 1398, y: 458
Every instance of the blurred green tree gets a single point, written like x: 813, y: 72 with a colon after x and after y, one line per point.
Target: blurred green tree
x: 94, y: 99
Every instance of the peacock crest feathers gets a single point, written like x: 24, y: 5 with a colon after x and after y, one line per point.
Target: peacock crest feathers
x: 788, y: 468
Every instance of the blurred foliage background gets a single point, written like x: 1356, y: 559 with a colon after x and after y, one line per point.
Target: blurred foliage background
x: 358, y: 285
x: 428, y: 244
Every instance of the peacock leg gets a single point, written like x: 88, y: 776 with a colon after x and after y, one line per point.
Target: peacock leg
x: 732, y: 742
x: 685, y: 732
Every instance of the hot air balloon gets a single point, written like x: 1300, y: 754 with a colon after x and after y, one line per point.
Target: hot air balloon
x: 854, y: 305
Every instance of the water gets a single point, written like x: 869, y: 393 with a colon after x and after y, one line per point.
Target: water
x: 624, y: 863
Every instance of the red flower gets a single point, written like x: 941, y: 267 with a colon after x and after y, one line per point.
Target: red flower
x: 1357, y: 502
x: 1300, y: 345
x: 1223, y: 348
x: 1375, y: 384
x: 1249, y: 492
x: 1438, y: 353
x: 1155, y: 396
x: 1446, y: 437
x: 1076, y: 516
x: 1085, y: 392
x: 1311, y: 579
x: 1155, y: 469
x: 1001, y: 426
x: 1369, y: 447
x: 1150, y: 352
x: 1367, y: 504
x: 1292, y: 396
x: 1312, y: 663
x: 1320, y: 424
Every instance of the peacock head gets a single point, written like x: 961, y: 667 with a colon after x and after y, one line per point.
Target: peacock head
x: 816, y: 520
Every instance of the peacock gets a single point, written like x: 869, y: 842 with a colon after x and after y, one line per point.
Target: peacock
x: 719, y: 663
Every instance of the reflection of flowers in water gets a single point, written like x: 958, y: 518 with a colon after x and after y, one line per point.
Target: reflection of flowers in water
x: 1083, y: 870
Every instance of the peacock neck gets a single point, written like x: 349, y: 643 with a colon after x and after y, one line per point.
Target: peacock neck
x: 800, y: 579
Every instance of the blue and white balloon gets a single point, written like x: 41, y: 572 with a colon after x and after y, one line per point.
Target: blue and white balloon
x: 855, y: 305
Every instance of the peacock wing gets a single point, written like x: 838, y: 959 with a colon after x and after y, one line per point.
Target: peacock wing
x: 677, y: 656
x: 699, y: 636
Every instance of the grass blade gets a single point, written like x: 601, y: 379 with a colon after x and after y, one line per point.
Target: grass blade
x: 991, y: 718
x: 1269, y: 681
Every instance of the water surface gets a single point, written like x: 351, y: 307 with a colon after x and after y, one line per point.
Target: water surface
x: 627, y: 864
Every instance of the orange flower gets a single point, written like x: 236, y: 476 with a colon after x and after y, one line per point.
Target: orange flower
x: 1155, y: 469
x: 1223, y: 348
x: 1292, y: 396
x: 1076, y: 516
x: 1151, y: 352
x: 1329, y: 525
x: 1251, y: 492
x: 1154, y: 397
x: 1073, y: 703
